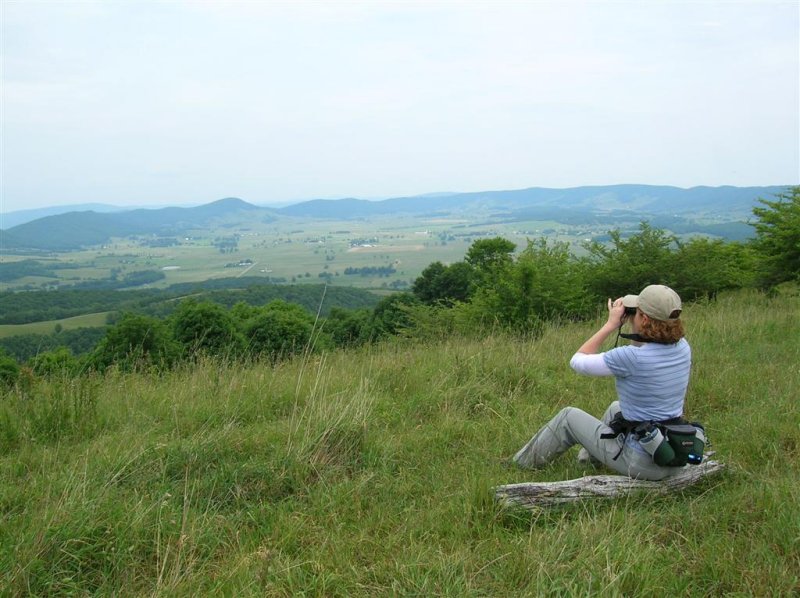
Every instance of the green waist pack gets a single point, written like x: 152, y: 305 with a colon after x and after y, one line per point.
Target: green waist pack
x: 673, y: 443
x: 682, y: 444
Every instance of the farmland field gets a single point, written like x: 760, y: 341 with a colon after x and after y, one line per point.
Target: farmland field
x: 294, y: 250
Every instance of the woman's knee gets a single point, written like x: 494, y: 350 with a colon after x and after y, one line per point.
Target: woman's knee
x: 571, y: 411
x: 569, y: 414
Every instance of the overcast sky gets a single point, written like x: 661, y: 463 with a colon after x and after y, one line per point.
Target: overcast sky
x: 154, y: 103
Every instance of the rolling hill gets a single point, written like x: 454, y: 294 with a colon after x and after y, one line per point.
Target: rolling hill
x: 78, y: 229
x: 663, y: 206
x: 17, y: 217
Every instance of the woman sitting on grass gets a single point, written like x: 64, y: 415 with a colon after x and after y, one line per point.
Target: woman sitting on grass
x: 651, y: 375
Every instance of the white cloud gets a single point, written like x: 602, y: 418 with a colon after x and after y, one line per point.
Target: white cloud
x: 285, y: 99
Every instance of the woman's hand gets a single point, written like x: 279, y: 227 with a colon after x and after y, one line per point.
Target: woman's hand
x: 616, y: 312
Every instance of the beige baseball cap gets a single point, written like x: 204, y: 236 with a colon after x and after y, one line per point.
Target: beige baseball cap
x: 657, y: 301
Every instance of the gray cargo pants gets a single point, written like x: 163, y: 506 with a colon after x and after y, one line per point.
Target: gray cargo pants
x: 573, y: 426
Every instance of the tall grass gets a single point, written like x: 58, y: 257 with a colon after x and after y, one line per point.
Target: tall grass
x: 370, y: 471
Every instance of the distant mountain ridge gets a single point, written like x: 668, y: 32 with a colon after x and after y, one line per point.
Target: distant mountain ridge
x: 605, y: 204
x: 77, y: 229
x: 17, y: 217
x: 644, y: 198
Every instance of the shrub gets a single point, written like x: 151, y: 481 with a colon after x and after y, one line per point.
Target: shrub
x: 348, y: 328
x: 9, y: 371
x: 136, y: 340
x: 280, y: 330
x: 391, y: 315
x: 53, y: 363
x: 204, y: 327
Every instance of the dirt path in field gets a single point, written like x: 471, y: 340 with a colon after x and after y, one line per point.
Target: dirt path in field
x: 246, y: 270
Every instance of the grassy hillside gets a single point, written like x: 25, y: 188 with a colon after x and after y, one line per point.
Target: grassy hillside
x: 370, y: 472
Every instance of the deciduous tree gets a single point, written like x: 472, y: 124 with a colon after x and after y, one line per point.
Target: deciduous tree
x: 778, y: 237
x: 487, y: 255
x: 628, y: 265
x: 445, y: 284
x: 544, y: 283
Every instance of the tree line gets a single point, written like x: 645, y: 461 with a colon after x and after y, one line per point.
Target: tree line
x: 493, y: 286
x: 40, y: 306
x: 370, y: 271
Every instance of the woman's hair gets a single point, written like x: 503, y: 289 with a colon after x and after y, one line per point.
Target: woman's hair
x: 669, y: 331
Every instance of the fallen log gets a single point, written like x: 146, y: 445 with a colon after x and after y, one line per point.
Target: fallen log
x: 530, y: 495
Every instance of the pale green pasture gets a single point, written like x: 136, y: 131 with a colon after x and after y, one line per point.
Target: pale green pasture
x: 48, y: 327
x: 300, y: 250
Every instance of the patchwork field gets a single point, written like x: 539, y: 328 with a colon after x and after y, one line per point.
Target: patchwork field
x: 387, y: 252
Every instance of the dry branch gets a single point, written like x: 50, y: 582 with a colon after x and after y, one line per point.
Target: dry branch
x: 535, y: 494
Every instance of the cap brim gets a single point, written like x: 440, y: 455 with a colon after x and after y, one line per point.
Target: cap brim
x: 630, y: 301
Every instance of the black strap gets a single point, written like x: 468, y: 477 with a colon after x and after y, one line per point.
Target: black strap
x: 619, y: 425
x: 637, y: 337
x: 633, y: 336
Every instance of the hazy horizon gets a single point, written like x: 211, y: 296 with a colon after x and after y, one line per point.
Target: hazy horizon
x: 281, y: 204
x: 184, y: 103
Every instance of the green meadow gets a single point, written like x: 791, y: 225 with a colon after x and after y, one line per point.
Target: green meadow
x: 370, y: 472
